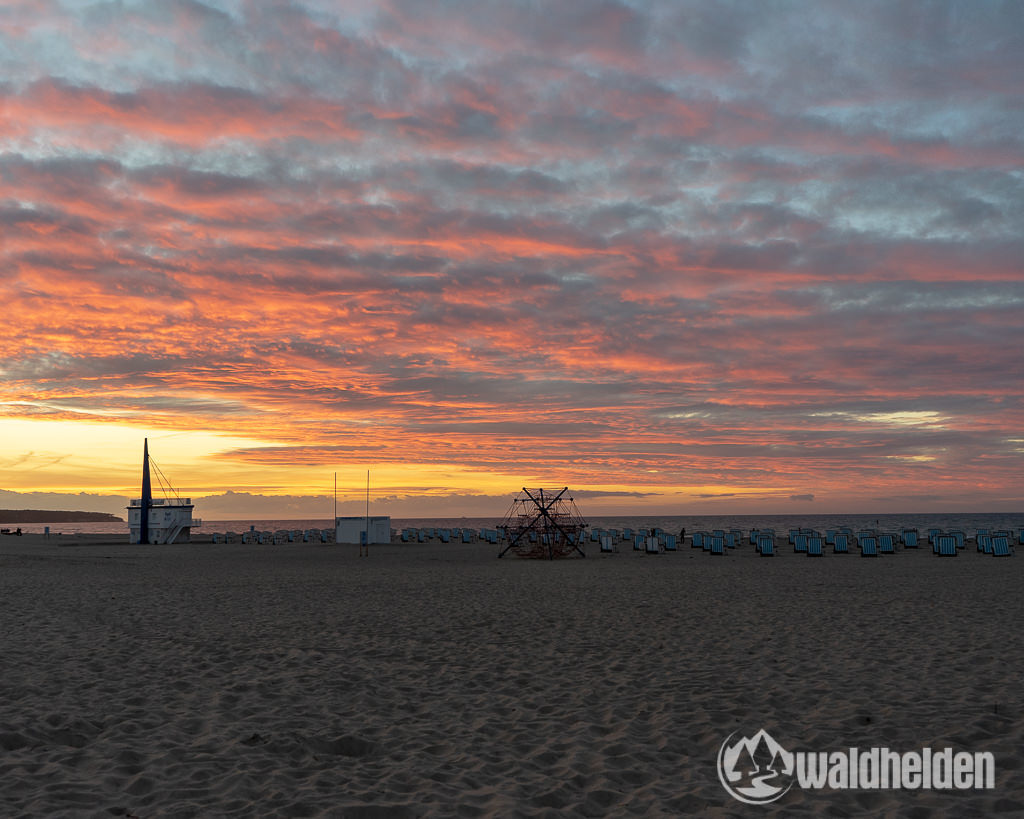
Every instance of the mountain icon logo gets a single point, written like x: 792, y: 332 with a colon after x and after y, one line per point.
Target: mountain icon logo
x: 756, y: 770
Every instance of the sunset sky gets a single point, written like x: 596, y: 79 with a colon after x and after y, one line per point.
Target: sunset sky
x: 683, y: 257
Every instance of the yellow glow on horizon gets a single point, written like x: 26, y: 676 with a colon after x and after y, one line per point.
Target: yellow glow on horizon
x: 44, y: 455
x: 47, y: 455
x: 104, y: 458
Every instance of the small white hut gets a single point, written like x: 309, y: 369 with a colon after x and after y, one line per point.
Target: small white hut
x: 350, y: 530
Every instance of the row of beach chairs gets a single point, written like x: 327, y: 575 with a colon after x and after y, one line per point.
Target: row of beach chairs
x: 870, y: 543
x: 648, y: 541
x: 280, y: 536
x: 809, y: 542
x: 452, y: 535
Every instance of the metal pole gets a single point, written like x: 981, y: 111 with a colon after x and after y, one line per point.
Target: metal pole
x: 147, y: 495
x: 367, y: 512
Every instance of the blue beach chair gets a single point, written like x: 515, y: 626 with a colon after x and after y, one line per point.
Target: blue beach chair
x: 945, y: 546
x: 717, y: 546
x: 799, y: 542
x: 814, y: 547
x: 841, y: 543
x: 1001, y: 547
x: 886, y: 544
x: 766, y: 545
x: 868, y: 547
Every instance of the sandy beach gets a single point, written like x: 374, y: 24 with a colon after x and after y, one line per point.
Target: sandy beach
x: 435, y: 680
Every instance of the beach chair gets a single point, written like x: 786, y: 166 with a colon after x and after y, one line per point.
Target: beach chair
x: 985, y: 543
x: 766, y: 545
x: 959, y: 537
x: 814, y: 548
x: 841, y: 543
x: 717, y: 545
x: 1001, y: 547
x: 910, y: 538
x: 886, y: 544
x: 868, y: 547
x: 606, y: 544
x: 670, y: 543
x: 799, y: 542
x: 697, y: 540
x: 651, y: 545
x: 830, y: 537
x: 945, y: 546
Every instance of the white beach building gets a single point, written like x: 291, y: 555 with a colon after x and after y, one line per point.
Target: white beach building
x: 159, y: 520
x: 170, y: 520
x: 350, y: 530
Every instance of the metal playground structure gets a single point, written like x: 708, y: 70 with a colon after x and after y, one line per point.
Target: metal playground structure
x: 544, y: 524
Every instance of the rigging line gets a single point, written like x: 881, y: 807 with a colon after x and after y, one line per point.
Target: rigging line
x: 165, y: 484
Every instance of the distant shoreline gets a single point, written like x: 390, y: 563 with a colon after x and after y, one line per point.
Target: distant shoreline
x: 51, y: 516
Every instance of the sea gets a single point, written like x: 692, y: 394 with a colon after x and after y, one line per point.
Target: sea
x: 969, y: 523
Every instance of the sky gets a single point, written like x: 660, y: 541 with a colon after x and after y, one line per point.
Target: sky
x: 682, y: 257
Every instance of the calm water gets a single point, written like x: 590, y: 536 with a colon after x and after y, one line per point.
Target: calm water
x: 969, y: 523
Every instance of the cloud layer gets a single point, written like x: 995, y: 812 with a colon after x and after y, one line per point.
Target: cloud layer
x: 681, y: 248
